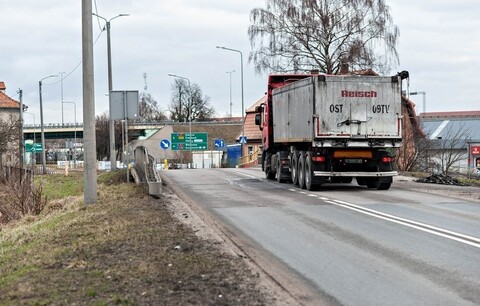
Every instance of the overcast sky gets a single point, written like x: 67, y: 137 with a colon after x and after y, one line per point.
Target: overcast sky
x: 439, y: 46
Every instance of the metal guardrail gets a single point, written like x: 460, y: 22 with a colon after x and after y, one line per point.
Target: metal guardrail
x: 145, y: 167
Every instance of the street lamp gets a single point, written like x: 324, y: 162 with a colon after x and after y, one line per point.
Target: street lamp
x: 42, y: 132
x: 61, y: 91
x: 74, y: 131
x: 111, y: 123
x: 242, y: 139
x: 230, y: 73
x: 424, y: 98
x: 189, y: 114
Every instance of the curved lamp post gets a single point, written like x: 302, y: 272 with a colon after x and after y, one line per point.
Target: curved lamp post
x: 42, y: 132
x: 189, y: 114
x: 241, y: 76
x: 111, y: 123
x: 74, y: 131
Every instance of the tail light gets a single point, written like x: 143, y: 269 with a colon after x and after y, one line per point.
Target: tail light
x: 319, y: 159
x: 387, y: 159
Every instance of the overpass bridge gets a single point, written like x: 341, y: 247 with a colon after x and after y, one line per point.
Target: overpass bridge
x: 135, y: 129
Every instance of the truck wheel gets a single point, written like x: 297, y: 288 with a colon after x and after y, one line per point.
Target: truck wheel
x: 268, y: 173
x: 373, y: 183
x: 384, y: 186
x: 279, y: 170
x: 295, y: 168
x: 309, y: 177
x: 301, y: 170
x: 361, y: 181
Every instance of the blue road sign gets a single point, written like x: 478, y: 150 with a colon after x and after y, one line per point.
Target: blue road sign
x: 219, y: 143
x: 165, y: 144
x: 243, y: 139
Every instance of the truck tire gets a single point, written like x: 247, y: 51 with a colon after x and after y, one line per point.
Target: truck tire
x: 373, y: 183
x: 301, y: 170
x: 309, y: 177
x: 279, y: 169
x: 384, y: 186
x: 361, y: 181
x: 295, y: 168
x: 269, y: 174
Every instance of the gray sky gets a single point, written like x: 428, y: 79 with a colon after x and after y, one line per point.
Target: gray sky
x: 439, y: 45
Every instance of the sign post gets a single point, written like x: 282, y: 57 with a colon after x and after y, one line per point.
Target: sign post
x: 165, y: 144
x: 124, y: 106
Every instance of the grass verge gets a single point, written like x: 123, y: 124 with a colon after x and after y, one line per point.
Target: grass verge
x: 125, y: 250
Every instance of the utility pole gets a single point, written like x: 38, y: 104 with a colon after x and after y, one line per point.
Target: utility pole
x: 111, y: 122
x: 230, y: 73
x: 61, y: 92
x: 90, y: 155
x: 21, y: 147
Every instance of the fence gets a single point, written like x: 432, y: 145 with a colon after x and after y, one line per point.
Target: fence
x: 250, y: 159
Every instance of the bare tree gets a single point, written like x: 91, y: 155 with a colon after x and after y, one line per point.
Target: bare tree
x: 102, y: 133
x: 180, y: 99
x: 201, y: 108
x: 188, y: 103
x: 9, y: 136
x: 149, y: 108
x: 450, y: 147
x: 411, y: 155
x: 296, y: 35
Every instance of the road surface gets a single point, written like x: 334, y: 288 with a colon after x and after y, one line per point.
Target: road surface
x: 345, y: 244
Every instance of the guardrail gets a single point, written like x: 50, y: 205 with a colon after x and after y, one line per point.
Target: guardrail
x: 145, y: 168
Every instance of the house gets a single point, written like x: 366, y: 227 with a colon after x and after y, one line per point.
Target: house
x: 252, y: 132
x: 454, y: 140
x: 9, y: 131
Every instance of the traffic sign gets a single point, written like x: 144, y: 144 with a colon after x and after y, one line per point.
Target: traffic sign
x: 189, y: 141
x: 165, y: 144
x: 33, y: 147
x: 243, y: 139
x: 219, y: 143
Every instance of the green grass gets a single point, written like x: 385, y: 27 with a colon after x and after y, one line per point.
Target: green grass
x: 119, y: 251
x: 59, y: 186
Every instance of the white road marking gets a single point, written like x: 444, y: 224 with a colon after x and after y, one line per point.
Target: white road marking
x: 475, y: 242
x: 469, y: 240
x: 247, y: 175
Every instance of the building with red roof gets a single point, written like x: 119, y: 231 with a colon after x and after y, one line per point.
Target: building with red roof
x: 9, y: 113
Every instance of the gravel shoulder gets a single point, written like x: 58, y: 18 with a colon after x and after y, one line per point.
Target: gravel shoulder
x: 468, y: 193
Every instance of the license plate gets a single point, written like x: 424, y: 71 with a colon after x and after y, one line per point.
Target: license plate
x: 353, y: 161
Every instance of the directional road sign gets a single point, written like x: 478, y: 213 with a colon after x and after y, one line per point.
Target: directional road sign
x: 219, y: 143
x: 182, y: 141
x: 33, y: 147
x: 165, y: 144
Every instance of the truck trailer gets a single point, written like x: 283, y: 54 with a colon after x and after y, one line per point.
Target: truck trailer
x: 319, y: 129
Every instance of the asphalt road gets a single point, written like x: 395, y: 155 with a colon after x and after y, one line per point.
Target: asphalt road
x: 349, y: 245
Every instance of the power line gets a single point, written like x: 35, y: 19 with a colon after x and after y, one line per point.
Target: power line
x: 78, y: 65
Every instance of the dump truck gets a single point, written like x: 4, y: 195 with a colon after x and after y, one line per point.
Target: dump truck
x: 319, y: 129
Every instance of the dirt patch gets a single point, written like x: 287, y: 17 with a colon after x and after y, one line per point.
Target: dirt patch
x: 127, y: 249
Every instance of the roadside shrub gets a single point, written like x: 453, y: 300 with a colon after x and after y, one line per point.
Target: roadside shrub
x: 19, y: 197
